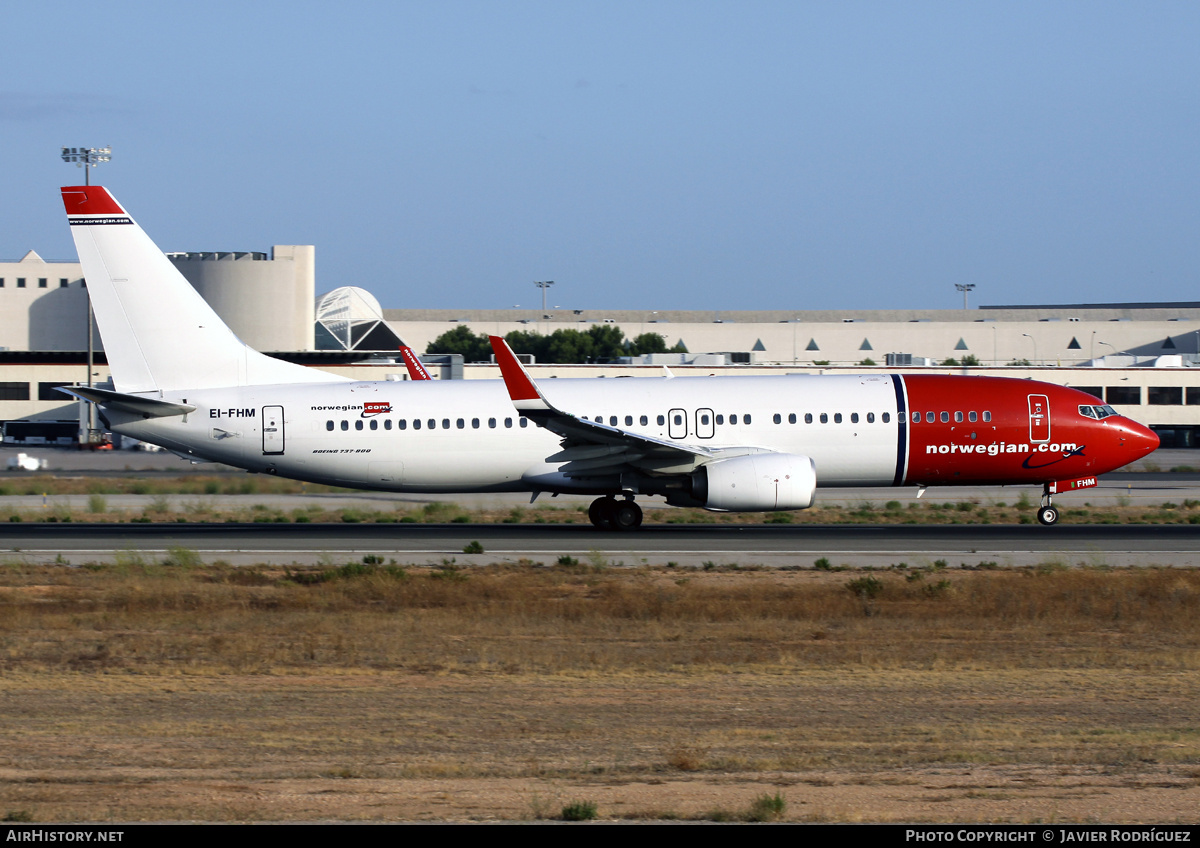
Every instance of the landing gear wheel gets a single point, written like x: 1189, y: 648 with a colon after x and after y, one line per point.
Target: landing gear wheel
x: 626, y: 515
x: 1048, y: 516
x: 600, y: 513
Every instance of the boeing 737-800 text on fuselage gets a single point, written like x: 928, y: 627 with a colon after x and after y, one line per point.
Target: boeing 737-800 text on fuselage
x: 182, y: 380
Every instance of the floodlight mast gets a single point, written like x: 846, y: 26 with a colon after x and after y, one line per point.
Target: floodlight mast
x: 87, y: 158
x: 545, y: 284
x: 964, y: 288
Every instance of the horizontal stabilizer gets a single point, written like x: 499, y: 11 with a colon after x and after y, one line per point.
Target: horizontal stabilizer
x: 135, y: 404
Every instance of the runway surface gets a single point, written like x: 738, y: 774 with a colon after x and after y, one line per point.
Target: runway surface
x: 684, y: 545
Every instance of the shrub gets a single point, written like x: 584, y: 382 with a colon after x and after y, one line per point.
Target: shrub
x: 866, y: 588
x: 473, y: 548
x: 767, y: 808
x: 579, y: 811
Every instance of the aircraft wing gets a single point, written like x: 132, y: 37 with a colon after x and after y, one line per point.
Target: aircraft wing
x: 593, y: 447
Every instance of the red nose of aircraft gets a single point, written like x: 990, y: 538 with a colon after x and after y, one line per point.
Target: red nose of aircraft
x: 1135, y: 440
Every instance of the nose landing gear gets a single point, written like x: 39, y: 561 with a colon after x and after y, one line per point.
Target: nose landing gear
x: 608, y: 513
x: 1047, y: 512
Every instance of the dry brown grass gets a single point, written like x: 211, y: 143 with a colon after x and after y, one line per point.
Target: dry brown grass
x: 146, y: 691
x: 148, y: 616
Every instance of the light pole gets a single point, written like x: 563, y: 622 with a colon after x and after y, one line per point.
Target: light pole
x: 87, y: 158
x: 543, y: 285
x: 1032, y: 339
x: 964, y: 288
x: 1106, y: 344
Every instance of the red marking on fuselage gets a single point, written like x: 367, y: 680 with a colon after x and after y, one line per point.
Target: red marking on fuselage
x: 1001, y: 450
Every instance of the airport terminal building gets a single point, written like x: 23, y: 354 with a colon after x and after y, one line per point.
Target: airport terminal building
x: 1142, y: 358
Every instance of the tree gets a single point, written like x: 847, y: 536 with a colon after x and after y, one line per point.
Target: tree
x: 608, y: 342
x: 461, y: 340
x: 568, y: 346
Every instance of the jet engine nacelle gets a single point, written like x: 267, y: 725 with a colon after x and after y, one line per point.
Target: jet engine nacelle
x: 759, y: 482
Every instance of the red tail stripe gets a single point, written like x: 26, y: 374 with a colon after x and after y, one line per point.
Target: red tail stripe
x: 90, y: 200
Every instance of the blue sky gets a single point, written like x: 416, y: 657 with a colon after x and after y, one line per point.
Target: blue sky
x: 652, y: 155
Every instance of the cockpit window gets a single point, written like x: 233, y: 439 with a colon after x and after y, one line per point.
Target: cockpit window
x: 1097, y: 412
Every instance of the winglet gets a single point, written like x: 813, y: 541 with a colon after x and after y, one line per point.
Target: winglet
x: 521, y: 390
x: 416, y: 371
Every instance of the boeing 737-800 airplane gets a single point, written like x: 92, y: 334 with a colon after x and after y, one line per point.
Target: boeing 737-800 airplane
x: 182, y: 380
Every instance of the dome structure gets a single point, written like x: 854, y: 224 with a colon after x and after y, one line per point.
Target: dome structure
x: 350, y: 318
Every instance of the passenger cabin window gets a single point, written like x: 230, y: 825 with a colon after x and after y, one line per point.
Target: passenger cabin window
x: 628, y: 420
x: 808, y: 418
x: 345, y: 425
x: 887, y: 416
x: 853, y: 417
x: 662, y: 420
x: 777, y: 418
x: 732, y: 419
x: 824, y: 417
x: 837, y: 418
x: 387, y: 424
x: 929, y: 417
x: 987, y: 416
x: 870, y: 417
x: 374, y: 423
x: 972, y: 416
x: 329, y: 424
x: 492, y: 423
x: 643, y: 420
x: 792, y: 418
x: 945, y: 417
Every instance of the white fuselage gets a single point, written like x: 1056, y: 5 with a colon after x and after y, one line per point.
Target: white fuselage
x: 467, y: 437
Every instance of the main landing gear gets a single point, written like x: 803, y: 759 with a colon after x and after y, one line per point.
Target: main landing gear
x: 1047, y: 512
x: 608, y: 513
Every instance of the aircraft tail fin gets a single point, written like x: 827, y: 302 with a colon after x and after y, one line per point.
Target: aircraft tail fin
x: 158, y: 332
x: 416, y: 371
